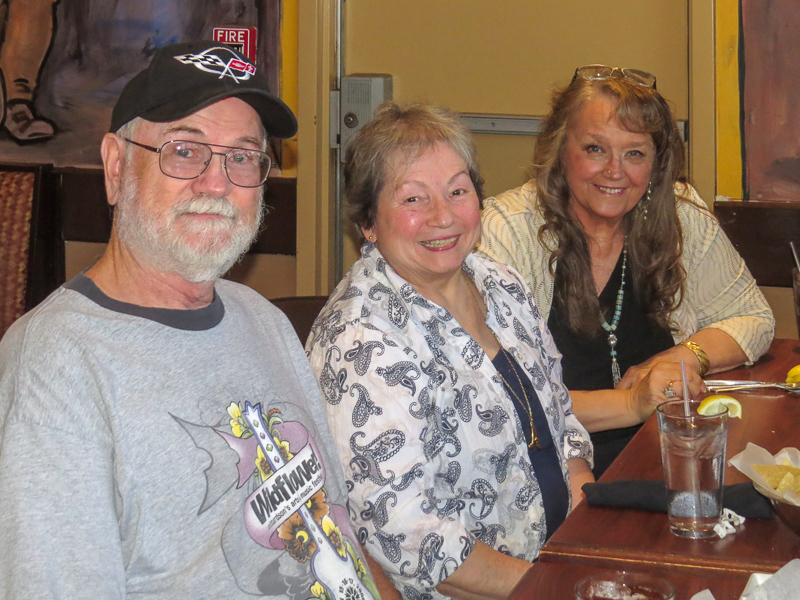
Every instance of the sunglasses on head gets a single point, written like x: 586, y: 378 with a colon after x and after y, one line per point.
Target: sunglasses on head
x: 598, y: 72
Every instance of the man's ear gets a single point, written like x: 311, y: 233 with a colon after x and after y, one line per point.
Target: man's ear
x: 111, y: 149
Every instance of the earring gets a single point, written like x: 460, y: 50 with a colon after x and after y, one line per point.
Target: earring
x: 647, y: 196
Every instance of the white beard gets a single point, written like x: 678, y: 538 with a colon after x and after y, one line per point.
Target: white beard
x: 155, y: 237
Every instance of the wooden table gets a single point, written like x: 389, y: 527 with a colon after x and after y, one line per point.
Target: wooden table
x: 556, y: 581
x: 612, y: 538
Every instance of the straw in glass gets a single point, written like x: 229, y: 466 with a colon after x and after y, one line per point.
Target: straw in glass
x: 694, y: 475
x: 685, y: 388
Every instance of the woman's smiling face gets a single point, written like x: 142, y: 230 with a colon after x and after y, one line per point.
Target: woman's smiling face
x: 428, y: 217
x: 607, y: 168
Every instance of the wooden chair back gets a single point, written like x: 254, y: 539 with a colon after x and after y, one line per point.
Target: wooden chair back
x: 31, y: 249
x: 301, y: 310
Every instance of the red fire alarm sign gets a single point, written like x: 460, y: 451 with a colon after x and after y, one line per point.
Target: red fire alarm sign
x: 242, y: 39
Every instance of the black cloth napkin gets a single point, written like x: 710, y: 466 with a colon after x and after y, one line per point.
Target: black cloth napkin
x: 643, y: 494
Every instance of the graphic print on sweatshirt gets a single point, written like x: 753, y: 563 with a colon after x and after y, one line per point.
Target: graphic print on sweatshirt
x: 300, y: 550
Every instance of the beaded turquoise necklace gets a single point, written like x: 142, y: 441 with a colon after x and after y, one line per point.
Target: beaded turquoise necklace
x: 611, y: 329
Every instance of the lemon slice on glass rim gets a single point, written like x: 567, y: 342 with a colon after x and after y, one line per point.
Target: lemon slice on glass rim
x: 712, y: 405
x: 793, y: 376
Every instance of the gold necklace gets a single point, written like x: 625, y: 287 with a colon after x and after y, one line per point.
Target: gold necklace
x: 526, y: 406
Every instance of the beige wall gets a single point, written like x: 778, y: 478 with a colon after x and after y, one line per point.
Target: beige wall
x: 498, y: 57
x: 504, y: 57
x: 781, y: 300
x: 501, y: 57
x: 80, y: 256
x: 473, y: 56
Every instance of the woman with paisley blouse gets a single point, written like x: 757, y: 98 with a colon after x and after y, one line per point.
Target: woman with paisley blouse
x: 443, y: 385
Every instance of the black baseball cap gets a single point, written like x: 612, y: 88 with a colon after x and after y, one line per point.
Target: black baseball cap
x: 183, y: 78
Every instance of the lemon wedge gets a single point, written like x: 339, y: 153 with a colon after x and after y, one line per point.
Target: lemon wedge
x: 793, y: 376
x: 712, y: 405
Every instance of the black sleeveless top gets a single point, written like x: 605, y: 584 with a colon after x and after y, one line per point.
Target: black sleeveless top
x: 587, y: 363
x: 544, y: 458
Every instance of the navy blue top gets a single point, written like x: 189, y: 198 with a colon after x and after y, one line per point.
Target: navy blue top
x: 544, y: 458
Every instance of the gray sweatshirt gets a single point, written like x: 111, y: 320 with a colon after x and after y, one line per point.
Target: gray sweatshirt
x: 167, y: 454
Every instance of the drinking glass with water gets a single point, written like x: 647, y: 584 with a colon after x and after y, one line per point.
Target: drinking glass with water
x: 693, y: 456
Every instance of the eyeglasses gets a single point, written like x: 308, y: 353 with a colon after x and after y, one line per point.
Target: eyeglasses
x: 598, y: 72
x: 188, y: 160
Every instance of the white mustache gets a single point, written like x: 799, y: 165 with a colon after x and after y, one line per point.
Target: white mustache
x: 207, y: 205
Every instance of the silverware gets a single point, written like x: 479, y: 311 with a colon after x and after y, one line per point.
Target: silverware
x: 732, y: 385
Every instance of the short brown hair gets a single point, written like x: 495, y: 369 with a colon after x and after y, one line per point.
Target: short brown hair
x: 400, y: 133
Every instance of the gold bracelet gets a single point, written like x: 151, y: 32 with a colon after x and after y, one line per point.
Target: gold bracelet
x: 701, y: 355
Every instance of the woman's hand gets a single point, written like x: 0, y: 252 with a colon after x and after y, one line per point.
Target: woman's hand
x: 647, y: 384
x: 656, y: 381
x: 722, y: 350
x: 634, y: 375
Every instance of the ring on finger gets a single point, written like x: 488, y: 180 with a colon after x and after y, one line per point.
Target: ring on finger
x: 669, y: 392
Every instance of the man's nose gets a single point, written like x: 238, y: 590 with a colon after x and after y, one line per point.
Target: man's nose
x: 214, y: 180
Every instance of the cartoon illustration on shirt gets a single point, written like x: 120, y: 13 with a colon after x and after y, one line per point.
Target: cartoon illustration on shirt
x: 287, y: 508
x: 26, y: 30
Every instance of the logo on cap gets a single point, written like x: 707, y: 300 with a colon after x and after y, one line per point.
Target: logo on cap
x: 220, y: 60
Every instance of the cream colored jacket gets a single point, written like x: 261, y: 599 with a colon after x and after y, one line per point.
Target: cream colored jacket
x: 720, y: 291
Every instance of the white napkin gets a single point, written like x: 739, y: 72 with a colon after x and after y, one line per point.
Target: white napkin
x: 781, y: 585
x: 756, y: 455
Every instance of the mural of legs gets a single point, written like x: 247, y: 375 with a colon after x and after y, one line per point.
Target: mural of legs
x: 28, y: 26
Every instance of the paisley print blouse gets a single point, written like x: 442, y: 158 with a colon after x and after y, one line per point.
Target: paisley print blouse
x: 430, y: 442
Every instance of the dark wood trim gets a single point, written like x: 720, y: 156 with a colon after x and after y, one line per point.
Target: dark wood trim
x: 761, y: 232
x: 87, y: 216
x: 47, y: 254
x: 278, y: 233
x: 81, y: 193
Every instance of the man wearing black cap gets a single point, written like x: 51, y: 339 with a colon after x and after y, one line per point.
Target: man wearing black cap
x: 161, y: 433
